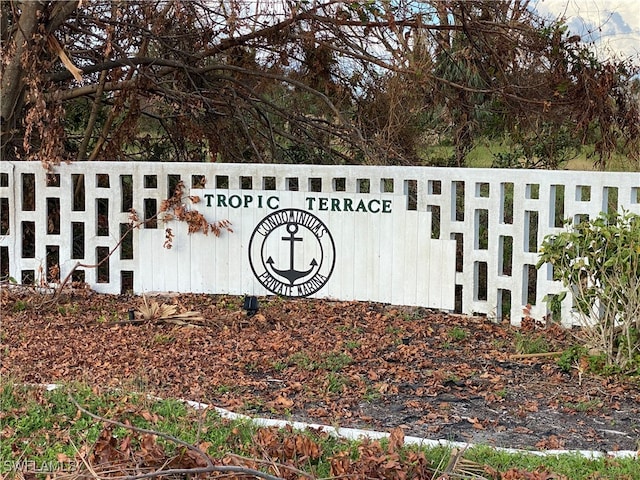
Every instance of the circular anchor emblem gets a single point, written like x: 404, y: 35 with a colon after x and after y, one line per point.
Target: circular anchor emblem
x: 292, y: 253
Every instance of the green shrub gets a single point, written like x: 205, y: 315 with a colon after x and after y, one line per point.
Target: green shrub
x: 599, y: 261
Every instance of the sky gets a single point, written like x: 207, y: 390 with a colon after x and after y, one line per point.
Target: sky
x: 613, y: 25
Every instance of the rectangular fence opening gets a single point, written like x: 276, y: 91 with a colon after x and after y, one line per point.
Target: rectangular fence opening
x: 78, y: 276
x: 532, y: 191
x: 363, y: 185
x: 504, y: 304
x: 27, y: 277
x: 457, y: 200
x: 150, y: 181
x: 53, y: 179
x: 480, y: 274
x: 126, y: 198
x: 315, y: 184
x: 578, y: 218
x: 4, y: 263
x: 411, y: 191
x: 102, y: 180
x: 150, y: 212
x: 506, y: 203
x: 458, y: 299
x: 530, y: 284
x: 77, y: 240
x: 78, y: 193
x: 28, y: 192
x: 268, y: 183
x: 53, y: 216
x: 482, y: 190
x: 610, y: 200
x: 102, y: 260
x: 126, y: 281
x: 531, y: 231
x: 435, y: 220
x: 583, y: 193
x: 459, y: 238
x: 292, y: 184
x: 198, y: 181
x: 481, y: 229
x: 53, y: 263
x: 28, y: 239
x: 505, y: 255
x: 4, y: 216
x: 556, y: 206
x: 102, y: 217
x: 126, y: 245
x: 246, y: 183
x: 554, y: 308
x: 172, y: 184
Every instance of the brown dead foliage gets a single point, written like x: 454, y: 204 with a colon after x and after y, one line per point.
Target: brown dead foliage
x: 355, y: 364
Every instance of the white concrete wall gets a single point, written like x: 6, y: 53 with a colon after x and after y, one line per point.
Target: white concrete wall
x: 428, y: 264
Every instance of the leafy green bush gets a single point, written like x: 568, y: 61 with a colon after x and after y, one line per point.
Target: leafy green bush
x: 550, y: 146
x: 599, y: 261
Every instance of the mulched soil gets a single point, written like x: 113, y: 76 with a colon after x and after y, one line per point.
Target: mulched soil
x: 352, y: 364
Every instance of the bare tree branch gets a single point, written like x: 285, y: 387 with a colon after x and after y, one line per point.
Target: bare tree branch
x: 211, y: 467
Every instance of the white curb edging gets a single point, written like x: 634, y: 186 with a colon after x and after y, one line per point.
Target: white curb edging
x: 358, y: 434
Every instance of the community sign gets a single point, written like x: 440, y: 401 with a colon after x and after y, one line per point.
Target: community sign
x: 347, y: 246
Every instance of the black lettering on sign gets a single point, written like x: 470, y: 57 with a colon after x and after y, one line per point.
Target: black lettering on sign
x: 325, y: 204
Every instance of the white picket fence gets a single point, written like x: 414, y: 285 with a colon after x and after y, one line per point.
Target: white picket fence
x: 470, y: 240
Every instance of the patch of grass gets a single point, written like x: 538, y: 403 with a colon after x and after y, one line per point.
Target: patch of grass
x: 230, y: 303
x: 69, y: 309
x: 20, y: 306
x: 528, y: 344
x: 572, y: 466
x: 335, y: 361
x: 584, y: 406
x: 457, y: 334
x: 371, y: 394
x: 222, y: 389
x: 335, y: 383
x: 279, y: 365
x: 45, y: 426
x: 350, y: 329
x: 251, y: 367
x: 352, y: 344
x: 502, y: 393
x: 163, y: 339
x: 301, y: 360
x: 482, y: 155
x: 391, y: 330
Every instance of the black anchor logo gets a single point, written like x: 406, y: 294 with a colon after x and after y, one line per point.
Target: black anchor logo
x: 291, y: 273
x: 296, y: 228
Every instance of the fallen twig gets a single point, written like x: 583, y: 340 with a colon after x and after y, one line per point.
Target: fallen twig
x: 211, y: 467
x: 271, y: 462
x: 536, y: 355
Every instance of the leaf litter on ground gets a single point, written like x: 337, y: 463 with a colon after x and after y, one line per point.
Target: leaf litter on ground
x: 355, y: 364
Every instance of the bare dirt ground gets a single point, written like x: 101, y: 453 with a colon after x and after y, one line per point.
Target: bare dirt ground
x: 366, y: 365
